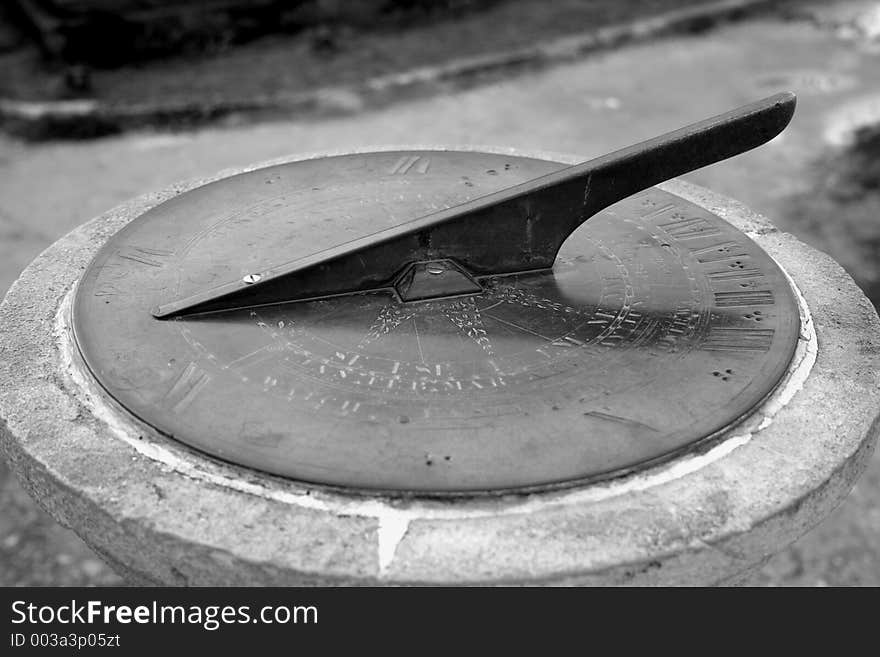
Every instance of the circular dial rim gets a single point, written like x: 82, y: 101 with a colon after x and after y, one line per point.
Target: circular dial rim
x: 185, y: 384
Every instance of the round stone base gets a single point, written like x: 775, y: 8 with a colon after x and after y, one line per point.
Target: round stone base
x: 161, y: 513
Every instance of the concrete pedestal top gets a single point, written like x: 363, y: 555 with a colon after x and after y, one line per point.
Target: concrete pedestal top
x: 161, y: 513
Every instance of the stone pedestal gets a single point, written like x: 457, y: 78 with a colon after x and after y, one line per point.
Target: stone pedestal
x: 162, y: 513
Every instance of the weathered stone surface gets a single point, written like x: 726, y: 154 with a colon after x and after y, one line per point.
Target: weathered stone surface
x: 161, y: 513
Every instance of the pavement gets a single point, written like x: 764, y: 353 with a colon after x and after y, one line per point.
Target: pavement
x: 333, y: 68
x: 828, y: 55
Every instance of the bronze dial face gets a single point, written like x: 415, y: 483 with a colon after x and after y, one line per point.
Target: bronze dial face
x: 659, y: 326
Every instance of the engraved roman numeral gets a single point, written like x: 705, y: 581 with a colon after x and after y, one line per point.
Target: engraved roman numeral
x: 186, y: 388
x: 145, y: 256
x: 688, y: 229
x: 743, y: 298
x: 728, y: 274
x: 106, y: 290
x: 409, y: 163
x: 720, y: 251
x: 653, y: 212
x: 738, y: 339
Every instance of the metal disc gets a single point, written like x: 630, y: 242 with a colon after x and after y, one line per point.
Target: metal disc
x: 659, y: 327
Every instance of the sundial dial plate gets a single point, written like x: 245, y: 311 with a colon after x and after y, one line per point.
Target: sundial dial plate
x: 659, y: 326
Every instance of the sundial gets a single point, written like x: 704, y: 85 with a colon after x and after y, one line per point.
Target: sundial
x: 447, y: 322
x: 444, y: 365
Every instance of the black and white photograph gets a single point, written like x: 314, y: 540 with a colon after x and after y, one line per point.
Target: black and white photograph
x: 431, y: 293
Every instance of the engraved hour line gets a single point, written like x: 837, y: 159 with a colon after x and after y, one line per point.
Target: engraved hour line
x: 144, y: 255
x: 521, y: 328
x: 186, y: 388
x: 738, y: 339
x: 418, y: 340
x: 620, y: 420
x: 416, y: 163
x: 253, y: 357
x: 316, y: 320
